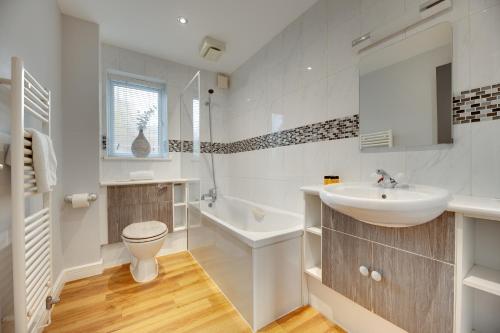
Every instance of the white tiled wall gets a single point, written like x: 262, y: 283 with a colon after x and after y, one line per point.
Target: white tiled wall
x: 176, y: 77
x: 275, y: 90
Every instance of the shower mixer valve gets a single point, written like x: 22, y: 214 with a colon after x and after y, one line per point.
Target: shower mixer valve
x: 210, y: 196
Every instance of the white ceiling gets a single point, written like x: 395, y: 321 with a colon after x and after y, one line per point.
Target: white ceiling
x: 150, y: 26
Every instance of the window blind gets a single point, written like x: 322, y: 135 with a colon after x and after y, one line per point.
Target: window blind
x: 128, y: 100
x: 196, y: 127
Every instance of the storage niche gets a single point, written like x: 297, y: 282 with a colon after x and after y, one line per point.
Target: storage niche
x: 312, y: 235
x: 180, y: 206
x: 478, y: 271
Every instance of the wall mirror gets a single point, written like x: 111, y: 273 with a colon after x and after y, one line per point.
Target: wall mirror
x: 405, y: 92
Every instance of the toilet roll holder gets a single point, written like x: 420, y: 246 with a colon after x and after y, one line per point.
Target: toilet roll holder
x: 91, y: 197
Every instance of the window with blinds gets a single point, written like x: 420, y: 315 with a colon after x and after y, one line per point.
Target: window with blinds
x: 196, y: 127
x: 134, y: 106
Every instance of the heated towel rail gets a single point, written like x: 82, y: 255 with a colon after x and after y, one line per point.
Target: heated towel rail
x: 31, y: 232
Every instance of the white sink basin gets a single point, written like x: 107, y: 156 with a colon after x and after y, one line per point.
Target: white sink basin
x: 399, y: 207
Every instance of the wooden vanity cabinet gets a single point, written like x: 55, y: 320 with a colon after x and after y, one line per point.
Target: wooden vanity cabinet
x: 415, y: 292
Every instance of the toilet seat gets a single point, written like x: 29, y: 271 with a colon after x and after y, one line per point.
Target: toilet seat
x: 144, y: 231
x: 143, y: 240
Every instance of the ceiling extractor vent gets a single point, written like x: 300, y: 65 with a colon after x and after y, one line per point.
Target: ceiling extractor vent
x: 212, y: 49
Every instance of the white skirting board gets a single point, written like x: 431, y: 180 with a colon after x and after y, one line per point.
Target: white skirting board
x: 83, y: 271
x: 344, y: 312
x: 76, y: 273
x: 58, y: 285
x: 68, y: 275
x: 114, y: 255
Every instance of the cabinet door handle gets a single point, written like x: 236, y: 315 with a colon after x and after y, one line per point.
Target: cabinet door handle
x: 364, y: 271
x: 376, y: 276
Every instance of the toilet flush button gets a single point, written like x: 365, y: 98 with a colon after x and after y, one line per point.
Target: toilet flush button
x: 376, y: 276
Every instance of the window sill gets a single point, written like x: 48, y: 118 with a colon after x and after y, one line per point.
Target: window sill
x: 137, y: 159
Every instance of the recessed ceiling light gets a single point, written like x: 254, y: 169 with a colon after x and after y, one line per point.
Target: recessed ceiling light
x: 182, y: 20
x: 309, y: 68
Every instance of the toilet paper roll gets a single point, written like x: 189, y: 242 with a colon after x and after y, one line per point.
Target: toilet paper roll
x: 80, y: 200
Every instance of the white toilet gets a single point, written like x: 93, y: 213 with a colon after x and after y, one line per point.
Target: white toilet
x: 144, y: 241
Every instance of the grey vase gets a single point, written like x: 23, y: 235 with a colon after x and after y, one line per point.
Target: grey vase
x: 141, y: 146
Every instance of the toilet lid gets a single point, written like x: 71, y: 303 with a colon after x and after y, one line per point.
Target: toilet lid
x: 143, y: 230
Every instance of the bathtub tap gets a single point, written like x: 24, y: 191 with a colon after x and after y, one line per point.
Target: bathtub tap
x: 210, y: 196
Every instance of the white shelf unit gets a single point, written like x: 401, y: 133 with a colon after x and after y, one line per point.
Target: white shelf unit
x: 314, y: 272
x: 484, y: 278
x: 180, y: 196
x: 314, y: 230
x: 312, y: 235
x: 478, y: 275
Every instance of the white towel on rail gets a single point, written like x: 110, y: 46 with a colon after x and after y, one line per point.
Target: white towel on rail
x: 44, y: 161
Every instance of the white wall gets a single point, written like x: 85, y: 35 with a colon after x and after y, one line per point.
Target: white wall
x: 80, y: 163
x: 176, y: 76
x: 275, y: 82
x: 38, y: 44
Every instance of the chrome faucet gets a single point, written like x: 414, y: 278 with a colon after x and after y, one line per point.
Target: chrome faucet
x: 210, y: 196
x: 386, y: 180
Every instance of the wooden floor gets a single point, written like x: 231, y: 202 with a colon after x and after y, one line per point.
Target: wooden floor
x: 182, y: 299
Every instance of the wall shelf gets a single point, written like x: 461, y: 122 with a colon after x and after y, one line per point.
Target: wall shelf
x: 484, y: 278
x: 312, y: 235
x: 182, y: 228
x: 477, y: 275
x: 314, y: 272
x: 314, y: 230
x: 180, y: 196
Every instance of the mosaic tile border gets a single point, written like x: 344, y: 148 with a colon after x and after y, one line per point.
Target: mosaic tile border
x: 335, y: 129
x: 478, y: 104
x: 205, y: 147
x: 475, y: 105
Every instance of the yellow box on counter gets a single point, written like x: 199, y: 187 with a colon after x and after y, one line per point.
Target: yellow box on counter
x: 327, y: 180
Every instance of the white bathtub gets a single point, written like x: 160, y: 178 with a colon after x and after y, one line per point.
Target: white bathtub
x: 255, y: 225
x: 253, y: 253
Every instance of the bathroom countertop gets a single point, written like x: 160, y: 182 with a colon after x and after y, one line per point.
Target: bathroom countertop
x: 478, y: 207
x: 145, y: 181
x: 314, y: 189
